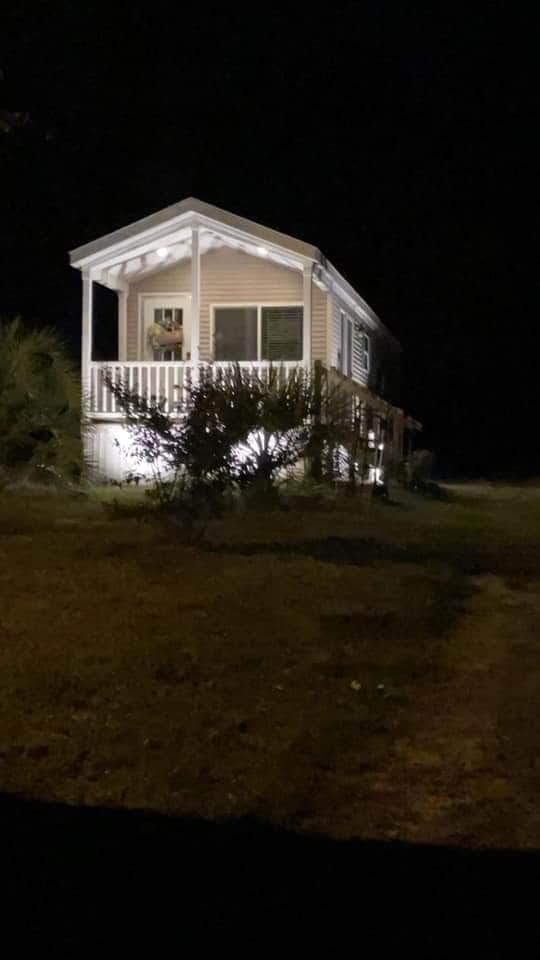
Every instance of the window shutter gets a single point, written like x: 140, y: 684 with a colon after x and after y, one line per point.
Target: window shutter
x: 282, y: 329
x: 360, y: 364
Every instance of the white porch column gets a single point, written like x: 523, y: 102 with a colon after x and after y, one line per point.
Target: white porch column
x: 122, y: 324
x: 308, y: 271
x: 86, y: 343
x: 195, y: 296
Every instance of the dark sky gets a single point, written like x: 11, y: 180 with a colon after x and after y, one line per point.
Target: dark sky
x: 397, y: 137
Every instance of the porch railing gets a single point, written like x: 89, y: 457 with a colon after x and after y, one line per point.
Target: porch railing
x: 170, y: 381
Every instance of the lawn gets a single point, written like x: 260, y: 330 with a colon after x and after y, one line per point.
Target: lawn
x: 357, y: 669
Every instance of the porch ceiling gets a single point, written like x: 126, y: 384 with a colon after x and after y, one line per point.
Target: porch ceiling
x: 131, y: 252
x: 135, y: 264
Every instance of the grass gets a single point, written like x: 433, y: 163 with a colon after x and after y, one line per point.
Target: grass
x: 354, y: 669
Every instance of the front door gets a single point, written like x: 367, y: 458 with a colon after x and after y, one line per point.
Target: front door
x: 166, y: 327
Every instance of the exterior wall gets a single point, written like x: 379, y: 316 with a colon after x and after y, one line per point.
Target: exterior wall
x: 361, y: 376
x: 383, y: 377
x: 175, y: 279
x: 230, y: 276
x: 334, y: 332
x: 319, y: 306
x: 105, y: 448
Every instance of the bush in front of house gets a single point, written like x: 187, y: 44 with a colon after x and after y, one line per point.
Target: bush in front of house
x: 40, y: 408
x: 238, y: 434
x: 243, y: 433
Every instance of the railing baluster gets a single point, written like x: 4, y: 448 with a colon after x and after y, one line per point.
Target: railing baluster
x: 173, y: 380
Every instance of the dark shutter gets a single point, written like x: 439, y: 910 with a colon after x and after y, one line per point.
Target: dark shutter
x: 349, y: 369
x: 282, y: 333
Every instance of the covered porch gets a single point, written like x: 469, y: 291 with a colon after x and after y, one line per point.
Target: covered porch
x: 194, y: 293
x: 170, y: 381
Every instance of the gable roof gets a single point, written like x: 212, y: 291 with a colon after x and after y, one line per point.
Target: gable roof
x: 169, y: 216
x: 144, y: 236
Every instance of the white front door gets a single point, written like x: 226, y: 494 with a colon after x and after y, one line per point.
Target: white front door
x: 166, y: 327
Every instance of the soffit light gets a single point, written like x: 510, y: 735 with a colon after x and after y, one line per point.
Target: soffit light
x: 162, y: 252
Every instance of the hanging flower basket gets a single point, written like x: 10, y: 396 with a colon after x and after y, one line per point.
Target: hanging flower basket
x: 159, y: 336
x: 169, y: 338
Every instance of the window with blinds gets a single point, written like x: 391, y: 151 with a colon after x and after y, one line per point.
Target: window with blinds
x: 235, y: 333
x: 346, y: 346
x: 281, y: 333
x: 365, y: 350
x: 360, y: 353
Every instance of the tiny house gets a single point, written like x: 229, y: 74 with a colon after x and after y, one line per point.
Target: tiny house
x: 198, y: 287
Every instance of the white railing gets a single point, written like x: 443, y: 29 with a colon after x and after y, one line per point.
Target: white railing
x: 170, y: 381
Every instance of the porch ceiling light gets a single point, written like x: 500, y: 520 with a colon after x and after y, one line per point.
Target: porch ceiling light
x: 162, y: 252
x: 262, y: 251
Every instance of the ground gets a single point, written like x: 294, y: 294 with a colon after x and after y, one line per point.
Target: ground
x: 356, y: 669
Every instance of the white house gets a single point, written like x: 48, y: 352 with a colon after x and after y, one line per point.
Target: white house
x: 199, y: 285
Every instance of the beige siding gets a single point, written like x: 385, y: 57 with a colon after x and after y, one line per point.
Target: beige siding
x: 318, y: 323
x: 229, y: 276
x: 359, y: 374
x: 175, y: 279
x: 334, y: 337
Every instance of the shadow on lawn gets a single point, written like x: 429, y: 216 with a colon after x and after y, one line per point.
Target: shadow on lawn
x: 83, y: 877
x: 358, y: 551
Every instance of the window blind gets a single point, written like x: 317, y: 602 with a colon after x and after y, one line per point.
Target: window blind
x: 281, y: 333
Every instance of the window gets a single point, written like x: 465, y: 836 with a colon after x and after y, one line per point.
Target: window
x: 348, y: 352
x: 258, y: 333
x: 168, y: 333
x: 345, y: 352
x: 235, y: 333
x: 163, y: 328
x: 364, y: 339
x: 281, y: 329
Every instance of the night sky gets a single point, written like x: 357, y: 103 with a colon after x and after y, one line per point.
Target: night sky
x: 398, y: 138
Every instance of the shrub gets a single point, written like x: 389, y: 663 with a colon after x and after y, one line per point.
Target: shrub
x: 40, y: 406
x: 244, y: 432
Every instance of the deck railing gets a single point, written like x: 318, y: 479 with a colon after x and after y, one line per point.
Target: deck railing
x: 170, y: 381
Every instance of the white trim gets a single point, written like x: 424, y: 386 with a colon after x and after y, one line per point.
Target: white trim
x: 102, y: 277
x: 307, y: 316
x: 101, y: 262
x: 122, y: 324
x: 367, y: 353
x: 195, y: 296
x: 185, y: 212
x: 253, y: 305
x: 173, y: 223
x: 292, y: 259
x: 86, y: 331
x: 330, y: 361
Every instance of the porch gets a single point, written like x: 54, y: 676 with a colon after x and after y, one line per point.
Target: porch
x: 170, y: 381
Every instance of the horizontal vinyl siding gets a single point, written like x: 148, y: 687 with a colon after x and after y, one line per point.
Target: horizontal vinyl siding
x: 334, y: 338
x: 230, y: 276
x: 318, y: 323
x: 175, y: 279
x: 359, y: 374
